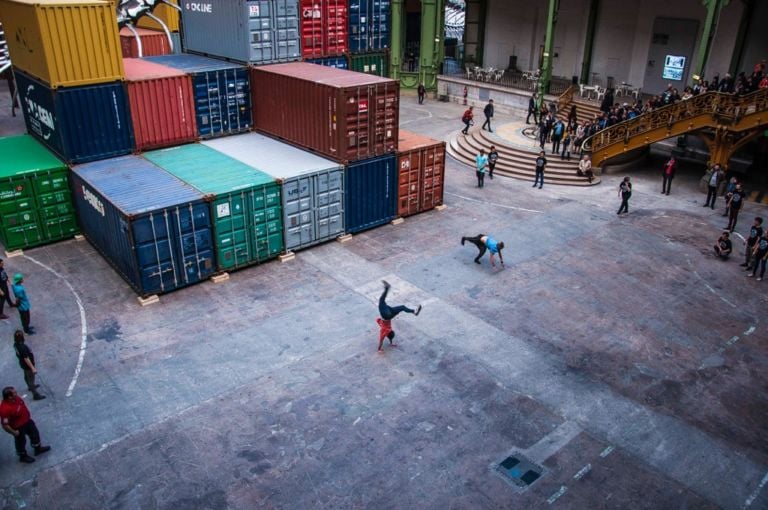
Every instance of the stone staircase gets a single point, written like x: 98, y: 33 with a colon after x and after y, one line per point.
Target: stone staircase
x: 516, y: 160
x: 585, y: 109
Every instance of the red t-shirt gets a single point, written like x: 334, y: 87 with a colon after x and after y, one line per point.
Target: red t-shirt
x: 15, y: 414
x: 385, y: 328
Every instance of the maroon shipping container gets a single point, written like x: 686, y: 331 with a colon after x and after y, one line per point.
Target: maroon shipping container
x: 162, y: 104
x: 421, y: 172
x: 343, y: 115
x: 153, y: 43
x: 324, y: 28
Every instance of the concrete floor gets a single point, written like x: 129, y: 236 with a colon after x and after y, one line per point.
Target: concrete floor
x: 616, y: 353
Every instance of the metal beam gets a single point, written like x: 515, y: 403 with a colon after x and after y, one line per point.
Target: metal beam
x: 705, y: 45
x: 546, y: 67
x: 589, y: 43
x: 741, y: 36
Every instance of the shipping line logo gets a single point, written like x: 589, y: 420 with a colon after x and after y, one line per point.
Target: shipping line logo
x: 39, y: 116
x: 199, y: 7
x: 94, y: 201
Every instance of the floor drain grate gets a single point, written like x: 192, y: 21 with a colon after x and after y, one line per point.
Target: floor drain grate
x: 520, y: 471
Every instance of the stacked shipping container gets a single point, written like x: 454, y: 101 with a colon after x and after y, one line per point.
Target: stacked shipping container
x: 35, y: 199
x: 312, y: 187
x: 369, y: 25
x: 149, y: 43
x: 324, y: 28
x: 246, y: 204
x: 421, y: 171
x: 250, y: 31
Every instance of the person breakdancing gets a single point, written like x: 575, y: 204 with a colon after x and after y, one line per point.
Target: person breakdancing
x: 485, y: 242
x: 387, y: 314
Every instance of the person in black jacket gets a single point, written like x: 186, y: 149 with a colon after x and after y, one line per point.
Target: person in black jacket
x: 5, y: 295
x: 607, y: 103
x: 488, y: 112
x: 532, y: 110
x: 27, y: 363
x: 723, y: 246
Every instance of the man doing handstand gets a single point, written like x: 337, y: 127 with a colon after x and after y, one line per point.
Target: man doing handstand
x: 484, y: 242
x: 387, y: 314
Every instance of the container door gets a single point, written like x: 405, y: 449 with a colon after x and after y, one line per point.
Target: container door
x: 358, y: 22
x: 380, y: 20
x: 230, y: 224
x: 54, y: 202
x: 286, y: 22
x: 299, y: 213
x: 222, y: 102
x: 194, y: 242
x: 311, y: 29
x: 432, y: 181
x: 370, y: 193
x: 336, y: 27
x: 158, y: 264
x: 261, y: 31
x: 329, y: 196
x: 19, y: 223
x: 266, y: 222
x: 409, y: 182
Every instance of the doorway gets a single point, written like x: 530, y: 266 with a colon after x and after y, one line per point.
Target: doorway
x: 412, y: 35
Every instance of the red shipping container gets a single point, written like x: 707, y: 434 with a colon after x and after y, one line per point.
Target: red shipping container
x: 153, y: 43
x: 324, y: 28
x: 162, y: 104
x: 421, y: 172
x: 343, y: 115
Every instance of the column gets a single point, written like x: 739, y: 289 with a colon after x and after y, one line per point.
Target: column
x: 546, y: 67
x: 396, y: 40
x: 589, y: 43
x: 702, y: 55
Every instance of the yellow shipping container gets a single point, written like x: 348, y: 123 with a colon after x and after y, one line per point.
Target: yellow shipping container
x: 64, y: 43
x: 167, y: 14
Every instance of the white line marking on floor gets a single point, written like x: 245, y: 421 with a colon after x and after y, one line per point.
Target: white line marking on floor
x: 749, y: 331
x: 491, y: 203
x: 752, y: 497
x: 740, y: 236
x: 429, y: 116
x: 83, y: 324
x: 713, y: 291
x: 583, y: 471
x: 554, y: 497
x: 553, y: 442
x: 606, y: 452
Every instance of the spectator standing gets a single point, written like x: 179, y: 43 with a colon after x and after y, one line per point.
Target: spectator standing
x: 5, y: 294
x: 22, y: 303
x: 607, y: 103
x: 557, y: 135
x: 27, y: 363
x: 761, y: 256
x: 723, y: 246
x: 734, y: 206
x: 713, y: 184
x: 488, y: 112
x: 755, y: 232
x: 625, y: 191
x: 541, y: 163
x: 729, y: 189
x: 421, y: 92
x: 567, y: 146
x: 668, y: 173
x: 532, y: 110
x: 493, y: 157
x: 467, y: 119
x: 16, y: 420
x: 481, y: 166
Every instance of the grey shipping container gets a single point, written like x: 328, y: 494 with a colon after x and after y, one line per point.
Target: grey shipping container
x: 343, y: 115
x: 151, y: 227
x: 313, y: 187
x: 256, y: 32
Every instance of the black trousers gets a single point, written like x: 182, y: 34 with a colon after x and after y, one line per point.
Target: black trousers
x: 491, y: 166
x: 480, y: 179
x: 666, y: 184
x: 711, y: 194
x: 28, y: 429
x: 759, y: 261
x: 535, y: 117
x: 624, y: 204
x: 487, y: 123
x: 6, y: 298
x: 733, y: 217
x: 477, y: 241
x: 390, y: 312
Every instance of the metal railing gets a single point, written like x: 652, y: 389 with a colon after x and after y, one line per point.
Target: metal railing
x: 722, y: 109
x: 518, y: 80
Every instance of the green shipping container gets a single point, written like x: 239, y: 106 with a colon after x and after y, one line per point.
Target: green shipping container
x: 35, y: 198
x: 246, y: 205
x: 370, y: 63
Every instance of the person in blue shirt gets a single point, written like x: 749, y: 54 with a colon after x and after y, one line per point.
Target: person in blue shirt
x: 481, y: 160
x: 485, y: 242
x: 22, y: 303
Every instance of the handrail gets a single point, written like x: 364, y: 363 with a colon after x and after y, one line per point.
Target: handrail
x: 566, y: 98
x: 724, y: 110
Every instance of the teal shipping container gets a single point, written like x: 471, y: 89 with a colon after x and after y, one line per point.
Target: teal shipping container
x: 246, y: 204
x: 35, y: 198
x: 313, y: 187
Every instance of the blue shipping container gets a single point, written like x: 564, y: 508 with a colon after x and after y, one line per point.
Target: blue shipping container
x: 78, y: 123
x: 153, y: 229
x: 222, y: 93
x: 369, y: 25
x: 337, y: 62
x: 370, y: 193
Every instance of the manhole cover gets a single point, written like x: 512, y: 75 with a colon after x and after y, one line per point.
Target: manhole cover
x: 518, y: 470
x: 531, y: 132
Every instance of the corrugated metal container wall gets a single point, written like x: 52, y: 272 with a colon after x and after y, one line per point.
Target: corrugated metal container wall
x: 337, y: 62
x: 256, y: 32
x: 162, y: 105
x: 35, y: 200
x: 369, y: 25
x: 370, y: 63
x: 50, y: 39
x: 343, y: 115
x: 245, y: 203
x: 166, y: 14
x: 152, y: 228
x: 370, y: 193
x: 80, y: 123
x: 222, y: 93
x: 421, y: 172
x: 313, y: 187
x: 324, y: 26
x: 153, y: 43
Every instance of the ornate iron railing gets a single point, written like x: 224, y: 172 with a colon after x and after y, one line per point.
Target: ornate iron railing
x: 566, y: 98
x: 723, y: 110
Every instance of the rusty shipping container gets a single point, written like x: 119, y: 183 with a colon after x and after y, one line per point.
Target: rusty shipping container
x: 162, y: 104
x: 65, y: 43
x: 421, y: 173
x: 323, y: 26
x: 343, y: 115
x: 153, y: 43
x: 165, y: 13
